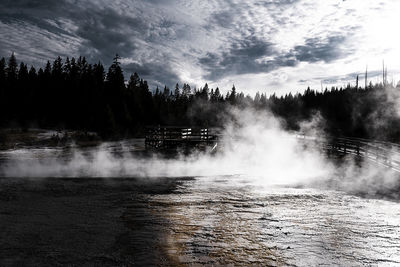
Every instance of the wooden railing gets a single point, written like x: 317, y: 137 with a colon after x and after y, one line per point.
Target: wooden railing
x: 172, y: 137
x: 383, y: 153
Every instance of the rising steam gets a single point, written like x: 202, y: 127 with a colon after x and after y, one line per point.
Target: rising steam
x: 254, y: 146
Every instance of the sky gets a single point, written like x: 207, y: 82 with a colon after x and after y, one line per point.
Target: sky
x: 268, y: 46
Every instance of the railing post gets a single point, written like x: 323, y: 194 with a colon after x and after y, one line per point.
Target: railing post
x: 358, y: 149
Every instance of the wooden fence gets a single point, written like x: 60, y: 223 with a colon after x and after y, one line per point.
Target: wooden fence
x: 384, y: 153
x: 174, y: 137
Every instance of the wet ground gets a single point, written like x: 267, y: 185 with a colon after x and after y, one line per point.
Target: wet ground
x: 188, y: 221
x: 223, y: 220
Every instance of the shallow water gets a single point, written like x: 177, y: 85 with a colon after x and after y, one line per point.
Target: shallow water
x: 214, y: 220
x: 232, y: 221
x: 208, y: 220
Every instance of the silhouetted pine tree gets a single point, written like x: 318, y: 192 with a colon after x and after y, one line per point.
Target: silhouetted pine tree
x: 78, y: 95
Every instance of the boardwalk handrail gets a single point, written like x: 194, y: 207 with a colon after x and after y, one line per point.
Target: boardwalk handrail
x: 384, y: 153
x: 171, y: 137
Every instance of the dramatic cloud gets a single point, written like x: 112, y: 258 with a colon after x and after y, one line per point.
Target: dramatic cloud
x: 268, y: 45
x: 315, y: 50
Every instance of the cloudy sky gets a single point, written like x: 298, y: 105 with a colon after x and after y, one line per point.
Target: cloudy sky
x: 268, y: 46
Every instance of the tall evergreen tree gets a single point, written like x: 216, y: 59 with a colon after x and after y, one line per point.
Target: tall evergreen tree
x: 232, y: 96
x: 2, y: 70
x: 177, y: 92
x: 115, y: 75
x: 12, y: 68
x: 57, y: 68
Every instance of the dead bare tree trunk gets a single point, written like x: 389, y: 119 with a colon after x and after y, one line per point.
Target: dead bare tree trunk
x: 357, y: 82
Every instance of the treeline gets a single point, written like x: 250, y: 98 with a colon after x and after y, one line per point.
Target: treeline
x: 74, y: 94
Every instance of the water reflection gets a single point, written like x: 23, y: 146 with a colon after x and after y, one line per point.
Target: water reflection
x: 222, y: 220
x: 242, y: 221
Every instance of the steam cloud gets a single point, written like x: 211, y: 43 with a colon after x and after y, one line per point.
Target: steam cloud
x: 254, y: 145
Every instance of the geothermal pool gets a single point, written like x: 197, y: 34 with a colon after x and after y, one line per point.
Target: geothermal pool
x: 188, y: 221
x: 237, y: 220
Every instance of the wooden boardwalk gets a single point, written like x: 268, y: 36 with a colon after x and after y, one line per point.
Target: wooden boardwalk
x: 175, y: 137
x: 170, y: 138
x: 383, y: 153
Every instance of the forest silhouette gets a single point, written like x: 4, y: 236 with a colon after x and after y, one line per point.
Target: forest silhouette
x: 75, y: 94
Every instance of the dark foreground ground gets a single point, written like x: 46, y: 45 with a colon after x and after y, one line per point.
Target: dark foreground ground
x: 82, y: 222
x: 190, y: 222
